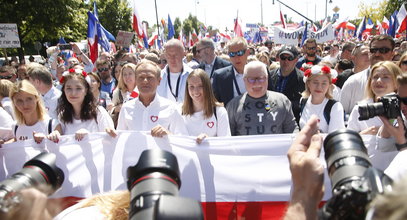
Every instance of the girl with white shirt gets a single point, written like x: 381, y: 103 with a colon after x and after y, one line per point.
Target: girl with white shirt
x: 203, y: 115
x: 78, y: 113
x: 31, y: 116
x: 318, y: 92
x: 382, y: 80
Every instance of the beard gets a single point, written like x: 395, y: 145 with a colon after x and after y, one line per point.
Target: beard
x: 311, y: 54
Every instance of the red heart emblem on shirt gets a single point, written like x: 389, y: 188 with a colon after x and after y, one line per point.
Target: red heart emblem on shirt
x: 154, y: 118
x: 210, y: 124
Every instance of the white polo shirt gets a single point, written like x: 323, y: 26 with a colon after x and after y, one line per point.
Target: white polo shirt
x: 51, y: 101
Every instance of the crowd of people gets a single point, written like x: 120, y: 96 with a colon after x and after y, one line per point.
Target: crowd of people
x: 208, y: 91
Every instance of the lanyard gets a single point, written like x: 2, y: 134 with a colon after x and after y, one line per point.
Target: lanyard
x: 169, y: 83
x: 236, y: 85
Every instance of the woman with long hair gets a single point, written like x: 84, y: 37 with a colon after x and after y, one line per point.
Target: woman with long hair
x: 203, y: 115
x: 77, y: 110
x: 317, y: 99
x: 402, y: 63
x: 30, y: 114
x: 101, y: 98
x: 382, y: 80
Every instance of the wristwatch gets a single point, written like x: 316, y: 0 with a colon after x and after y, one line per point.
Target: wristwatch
x: 401, y: 146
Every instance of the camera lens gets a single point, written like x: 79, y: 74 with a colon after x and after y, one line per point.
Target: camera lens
x: 346, y: 157
x: 39, y: 170
x: 155, y: 174
x: 370, y: 110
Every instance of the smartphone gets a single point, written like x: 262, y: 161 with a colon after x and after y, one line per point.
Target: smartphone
x: 65, y: 47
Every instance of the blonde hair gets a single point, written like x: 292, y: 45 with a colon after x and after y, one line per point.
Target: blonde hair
x: 26, y: 86
x: 5, y: 87
x: 113, y: 205
x: 393, y: 69
x: 121, y: 85
x: 328, y: 94
x: 209, y: 102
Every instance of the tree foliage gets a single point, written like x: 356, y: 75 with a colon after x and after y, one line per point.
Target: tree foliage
x: 381, y: 10
x: 114, y: 15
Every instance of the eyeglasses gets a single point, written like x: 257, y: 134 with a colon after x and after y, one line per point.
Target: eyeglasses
x: 290, y: 58
x: 381, y: 50
x: 238, y: 53
x: 254, y: 80
x: 311, y: 48
x: 6, y: 77
x: 404, y: 100
x: 200, y: 50
x: 103, y: 69
x: 163, y: 62
x: 404, y: 62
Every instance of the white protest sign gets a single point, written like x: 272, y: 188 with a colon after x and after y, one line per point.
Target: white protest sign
x: 287, y: 37
x: 124, y: 38
x: 323, y: 35
x: 9, y: 36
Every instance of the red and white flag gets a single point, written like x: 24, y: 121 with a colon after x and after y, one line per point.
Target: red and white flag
x: 385, y: 23
x: 238, y: 29
x: 137, y: 26
x: 283, y: 20
x: 402, y: 19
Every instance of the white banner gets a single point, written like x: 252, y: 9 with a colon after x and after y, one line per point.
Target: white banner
x: 287, y: 37
x: 9, y: 36
x: 244, y: 168
x: 323, y: 35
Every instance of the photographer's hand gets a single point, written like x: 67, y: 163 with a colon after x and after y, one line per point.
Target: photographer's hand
x: 307, y: 172
x: 388, y: 130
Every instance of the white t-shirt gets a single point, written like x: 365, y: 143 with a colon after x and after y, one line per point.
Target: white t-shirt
x: 136, y: 117
x: 398, y: 166
x: 359, y: 126
x: 336, y: 116
x: 8, y: 106
x: 103, y: 121
x: 51, y: 101
x: 75, y: 212
x: 26, y: 132
x: 6, y: 124
x: 214, y: 126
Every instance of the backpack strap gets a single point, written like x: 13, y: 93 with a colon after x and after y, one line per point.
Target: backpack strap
x: 50, y: 126
x: 15, y: 130
x: 327, y: 110
x: 303, y: 101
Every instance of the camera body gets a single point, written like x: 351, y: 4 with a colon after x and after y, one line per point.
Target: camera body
x: 355, y: 183
x: 154, y: 183
x: 41, y: 170
x: 388, y: 106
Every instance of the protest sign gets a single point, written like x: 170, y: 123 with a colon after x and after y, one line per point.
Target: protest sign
x: 287, y: 37
x: 9, y: 36
x: 124, y: 38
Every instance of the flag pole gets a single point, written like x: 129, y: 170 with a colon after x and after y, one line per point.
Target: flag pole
x: 156, y: 17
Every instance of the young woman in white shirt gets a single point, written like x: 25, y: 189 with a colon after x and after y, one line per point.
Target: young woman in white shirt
x: 318, y: 92
x: 203, y: 115
x: 32, y: 119
x: 382, y: 80
x: 78, y: 113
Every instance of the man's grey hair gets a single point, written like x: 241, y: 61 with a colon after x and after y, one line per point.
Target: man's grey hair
x: 174, y: 43
x: 255, y: 65
x: 206, y: 42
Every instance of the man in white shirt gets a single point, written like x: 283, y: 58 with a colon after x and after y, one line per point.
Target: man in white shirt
x: 41, y: 78
x: 380, y: 49
x: 174, y: 75
x: 149, y: 111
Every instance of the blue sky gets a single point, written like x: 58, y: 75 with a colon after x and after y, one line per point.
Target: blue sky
x: 220, y: 13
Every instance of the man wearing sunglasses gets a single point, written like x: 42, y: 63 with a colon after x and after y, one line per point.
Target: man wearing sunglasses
x: 380, y: 49
x: 104, y: 72
x: 205, y: 48
x: 228, y: 81
x: 288, y: 79
x: 259, y: 111
x: 310, y: 50
x: 9, y: 73
x: 393, y: 136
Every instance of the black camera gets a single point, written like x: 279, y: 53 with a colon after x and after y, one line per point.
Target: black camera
x: 388, y: 106
x: 355, y: 183
x: 154, y: 183
x: 65, y: 47
x: 41, y: 170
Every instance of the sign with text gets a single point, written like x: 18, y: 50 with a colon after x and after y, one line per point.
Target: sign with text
x: 124, y: 38
x: 287, y: 37
x: 323, y: 35
x: 9, y: 36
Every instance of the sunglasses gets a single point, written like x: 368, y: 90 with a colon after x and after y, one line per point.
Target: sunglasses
x: 404, y: 62
x: 403, y: 99
x: 254, y: 80
x: 311, y: 48
x: 290, y: 58
x: 381, y: 50
x: 238, y: 53
x: 6, y: 77
x: 103, y: 69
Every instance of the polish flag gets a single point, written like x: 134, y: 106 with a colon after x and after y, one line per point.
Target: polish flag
x: 225, y: 36
x: 385, y: 23
x: 237, y: 29
x: 137, y: 26
x: 402, y: 19
x: 152, y: 39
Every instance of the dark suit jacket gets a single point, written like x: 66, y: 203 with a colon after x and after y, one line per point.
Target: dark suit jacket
x: 223, y: 84
x: 293, y: 89
x: 218, y: 64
